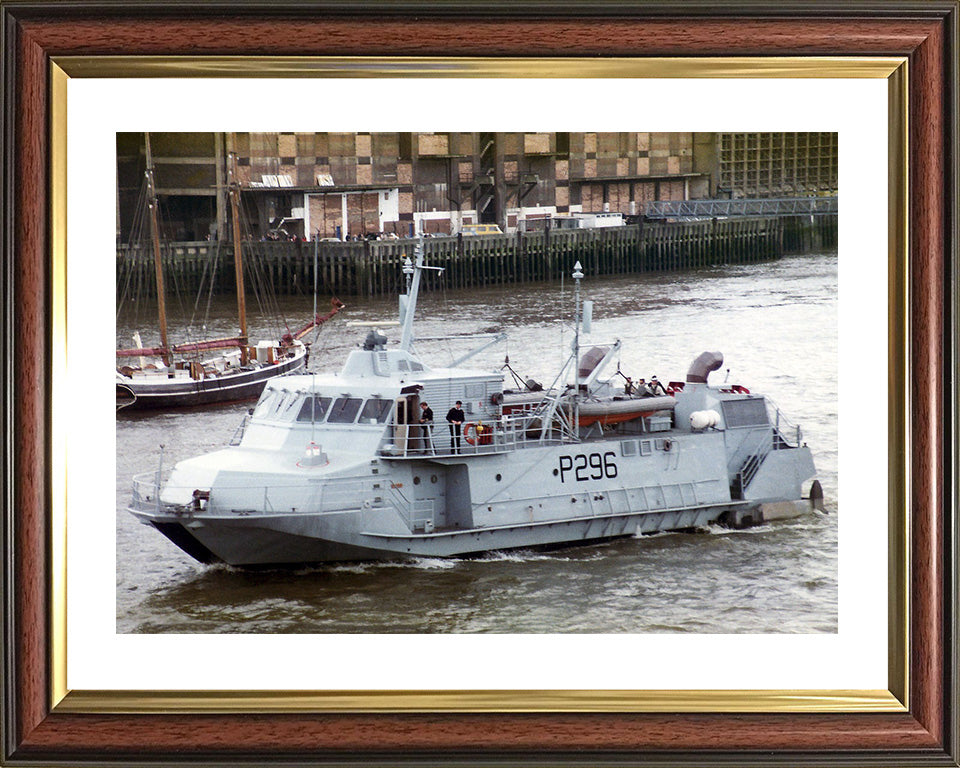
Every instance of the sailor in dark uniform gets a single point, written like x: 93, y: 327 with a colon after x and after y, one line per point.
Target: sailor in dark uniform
x: 426, y: 425
x: 456, y: 417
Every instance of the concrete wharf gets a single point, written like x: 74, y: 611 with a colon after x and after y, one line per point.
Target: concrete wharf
x: 373, y: 268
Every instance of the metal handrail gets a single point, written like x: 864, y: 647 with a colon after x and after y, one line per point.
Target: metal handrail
x: 782, y: 426
x: 771, y: 438
x: 339, y: 493
x: 767, y: 206
x: 240, y: 430
x: 751, y: 464
x: 509, y: 433
x: 146, y: 491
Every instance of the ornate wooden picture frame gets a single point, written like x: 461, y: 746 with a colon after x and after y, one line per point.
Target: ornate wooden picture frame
x: 914, y: 722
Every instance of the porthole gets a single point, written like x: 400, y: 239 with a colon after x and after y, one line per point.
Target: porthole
x: 499, y: 477
x: 433, y: 478
x: 416, y: 480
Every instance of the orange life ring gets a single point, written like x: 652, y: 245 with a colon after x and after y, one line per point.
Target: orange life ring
x: 466, y: 433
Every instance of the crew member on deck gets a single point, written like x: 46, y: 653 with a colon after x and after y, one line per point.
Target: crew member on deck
x: 456, y: 417
x: 628, y: 386
x: 426, y: 425
x: 656, y: 388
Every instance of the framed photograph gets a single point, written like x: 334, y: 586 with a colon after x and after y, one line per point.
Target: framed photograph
x: 102, y: 664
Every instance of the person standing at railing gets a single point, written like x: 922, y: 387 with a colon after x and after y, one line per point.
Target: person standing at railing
x: 426, y: 427
x: 456, y: 417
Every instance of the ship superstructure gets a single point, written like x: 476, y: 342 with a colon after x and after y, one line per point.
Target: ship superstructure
x: 338, y: 467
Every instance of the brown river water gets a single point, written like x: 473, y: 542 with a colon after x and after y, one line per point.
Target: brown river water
x: 776, y: 325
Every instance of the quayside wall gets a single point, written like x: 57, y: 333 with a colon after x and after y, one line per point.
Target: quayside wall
x: 372, y: 268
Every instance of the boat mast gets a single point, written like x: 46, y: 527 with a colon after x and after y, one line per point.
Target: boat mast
x: 413, y: 288
x: 157, y: 261
x: 234, y: 183
x: 577, y: 277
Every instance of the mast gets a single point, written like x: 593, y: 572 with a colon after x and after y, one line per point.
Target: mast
x: 157, y: 261
x: 577, y: 277
x: 413, y: 289
x: 234, y: 184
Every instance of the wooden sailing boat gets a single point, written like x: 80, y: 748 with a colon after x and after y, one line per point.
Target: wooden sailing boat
x: 188, y: 374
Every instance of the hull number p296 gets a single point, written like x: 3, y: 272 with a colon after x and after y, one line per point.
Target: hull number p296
x: 588, y: 466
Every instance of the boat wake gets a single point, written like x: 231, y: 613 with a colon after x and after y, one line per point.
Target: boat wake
x: 429, y: 564
x: 719, y: 530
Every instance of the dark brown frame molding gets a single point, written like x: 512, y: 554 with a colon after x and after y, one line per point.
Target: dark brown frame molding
x: 926, y: 32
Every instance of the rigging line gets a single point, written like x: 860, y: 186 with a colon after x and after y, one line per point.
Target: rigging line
x: 321, y: 350
x: 213, y: 281
x: 268, y: 295
x: 265, y: 296
x: 128, y: 261
x: 316, y: 282
x: 253, y: 267
x: 137, y: 286
x: 170, y: 266
x: 132, y: 260
x: 126, y: 280
x: 316, y: 338
x: 143, y: 274
x: 209, y: 270
x: 332, y: 332
x: 203, y: 280
x: 248, y: 259
x: 269, y: 291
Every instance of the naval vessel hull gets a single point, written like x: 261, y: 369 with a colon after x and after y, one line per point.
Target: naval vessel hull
x: 470, y: 509
x: 357, y: 465
x: 270, y: 542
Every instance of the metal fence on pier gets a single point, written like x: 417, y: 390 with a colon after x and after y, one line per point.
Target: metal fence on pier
x: 770, y: 206
x: 373, y: 268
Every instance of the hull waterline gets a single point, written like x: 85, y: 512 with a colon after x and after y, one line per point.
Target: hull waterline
x: 244, y: 385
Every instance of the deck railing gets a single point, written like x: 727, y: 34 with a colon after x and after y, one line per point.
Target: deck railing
x: 509, y: 433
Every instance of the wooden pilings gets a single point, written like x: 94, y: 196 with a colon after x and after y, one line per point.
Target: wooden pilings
x: 373, y: 268
x: 809, y: 234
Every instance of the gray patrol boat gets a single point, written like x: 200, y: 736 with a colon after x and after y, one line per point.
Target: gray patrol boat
x: 339, y: 467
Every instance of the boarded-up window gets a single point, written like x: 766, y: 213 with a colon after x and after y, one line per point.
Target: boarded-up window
x: 342, y: 145
x: 536, y: 143
x: 433, y: 144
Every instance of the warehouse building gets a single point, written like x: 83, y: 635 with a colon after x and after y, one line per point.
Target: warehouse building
x: 349, y: 185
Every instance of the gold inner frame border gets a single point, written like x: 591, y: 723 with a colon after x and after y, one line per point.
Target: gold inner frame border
x: 895, y: 699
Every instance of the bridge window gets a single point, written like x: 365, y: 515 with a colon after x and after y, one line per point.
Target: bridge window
x: 375, y: 411
x: 314, y: 409
x: 277, y: 405
x: 266, y: 404
x: 344, y: 410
